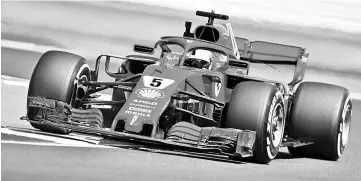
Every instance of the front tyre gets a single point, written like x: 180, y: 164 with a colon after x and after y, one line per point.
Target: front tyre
x: 259, y: 107
x: 57, y: 76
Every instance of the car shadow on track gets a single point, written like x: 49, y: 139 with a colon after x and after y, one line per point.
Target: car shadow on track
x: 154, y: 149
x: 196, y: 155
x: 205, y: 156
x: 137, y: 146
x: 285, y: 156
x: 288, y: 156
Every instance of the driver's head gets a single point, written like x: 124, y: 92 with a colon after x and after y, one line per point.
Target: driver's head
x: 202, y: 55
x: 199, y: 59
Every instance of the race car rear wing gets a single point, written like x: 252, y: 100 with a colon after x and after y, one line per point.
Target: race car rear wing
x: 274, y: 53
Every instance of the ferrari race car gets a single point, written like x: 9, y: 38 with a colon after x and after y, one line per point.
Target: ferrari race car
x: 194, y: 93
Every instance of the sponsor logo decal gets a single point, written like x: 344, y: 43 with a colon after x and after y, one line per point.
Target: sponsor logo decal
x: 137, y: 113
x: 145, y: 102
x: 140, y: 109
x: 135, y: 117
x: 170, y: 57
x: 156, y: 82
x: 142, y: 106
x: 217, y: 88
x: 148, y: 93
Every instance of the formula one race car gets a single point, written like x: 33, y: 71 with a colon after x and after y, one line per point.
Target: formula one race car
x: 194, y: 93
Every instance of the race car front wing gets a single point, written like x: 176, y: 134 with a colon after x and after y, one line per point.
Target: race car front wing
x: 226, y: 141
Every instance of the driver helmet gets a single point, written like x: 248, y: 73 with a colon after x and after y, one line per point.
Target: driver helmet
x: 205, y: 55
x: 201, y: 54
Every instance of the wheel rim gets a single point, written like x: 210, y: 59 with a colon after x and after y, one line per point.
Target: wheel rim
x: 78, y: 85
x: 345, y: 125
x: 344, y: 131
x: 277, y: 126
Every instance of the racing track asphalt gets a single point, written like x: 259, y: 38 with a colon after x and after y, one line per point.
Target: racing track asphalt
x: 34, y: 162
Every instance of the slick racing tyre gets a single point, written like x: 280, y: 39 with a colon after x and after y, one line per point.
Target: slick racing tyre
x: 56, y: 76
x: 259, y: 107
x: 321, y: 113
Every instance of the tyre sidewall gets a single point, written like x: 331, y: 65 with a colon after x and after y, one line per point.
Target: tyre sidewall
x: 268, y: 151
x: 336, y: 134
x: 81, y: 72
x: 317, y: 114
x: 249, y: 108
x: 56, y: 76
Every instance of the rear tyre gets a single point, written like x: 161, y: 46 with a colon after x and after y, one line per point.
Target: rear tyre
x: 259, y: 107
x: 321, y: 113
x: 57, y: 76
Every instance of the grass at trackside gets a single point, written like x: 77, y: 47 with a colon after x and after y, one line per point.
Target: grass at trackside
x: 114, y: 30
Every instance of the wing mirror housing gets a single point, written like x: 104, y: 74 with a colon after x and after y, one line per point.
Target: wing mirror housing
x: 213, y: 78
x: 216, y: 79
x: 143, y: 49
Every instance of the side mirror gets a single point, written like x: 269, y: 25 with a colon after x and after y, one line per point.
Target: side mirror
x: 213, y: 78
x: 143, y: 49
x: 216, y: 79
x: 114, y: 65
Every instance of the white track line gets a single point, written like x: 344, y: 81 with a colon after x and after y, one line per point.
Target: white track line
x: 44, y: 137
x: 52, y: 144
x: 54, y: 141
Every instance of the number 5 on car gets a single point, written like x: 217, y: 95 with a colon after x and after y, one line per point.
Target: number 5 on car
x: 156, y: 82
